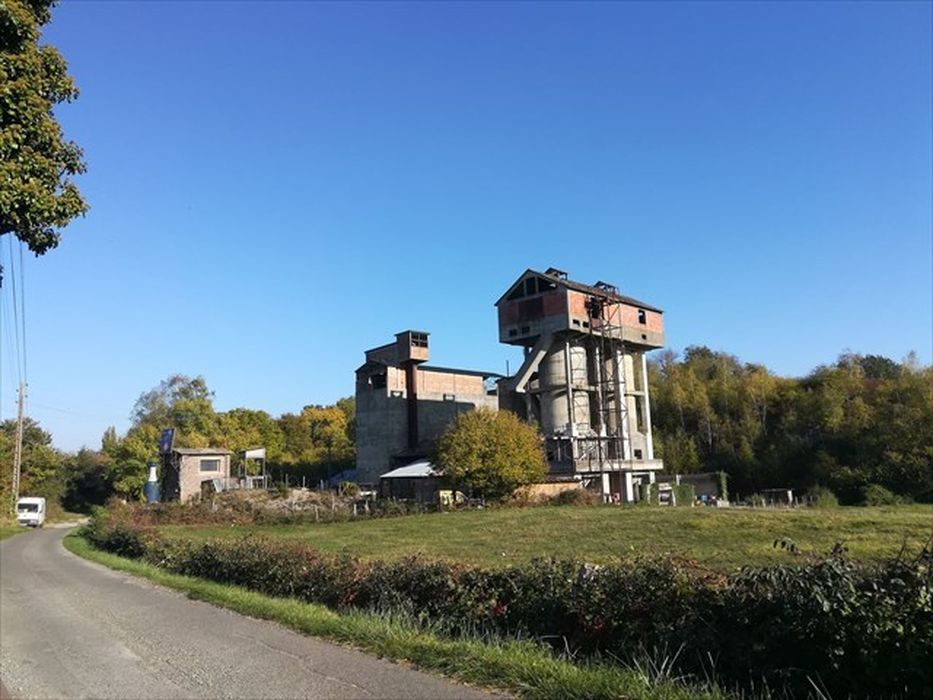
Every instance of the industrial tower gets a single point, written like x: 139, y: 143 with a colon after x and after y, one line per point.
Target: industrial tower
x: 584, y: 378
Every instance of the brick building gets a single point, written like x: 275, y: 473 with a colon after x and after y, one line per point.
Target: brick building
x: 187, y: 470
x: 403, y: 405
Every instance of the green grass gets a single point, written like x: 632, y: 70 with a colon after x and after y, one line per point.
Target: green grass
x: 10, y: 530
x: 522, y: 668
x: 720, y: 538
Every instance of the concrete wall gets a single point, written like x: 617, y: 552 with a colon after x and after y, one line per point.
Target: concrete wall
x: 382, y: 416
x: 191, y: 476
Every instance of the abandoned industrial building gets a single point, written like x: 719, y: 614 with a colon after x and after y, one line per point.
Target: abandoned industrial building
x: 403, y: 405
x: 583, y: 380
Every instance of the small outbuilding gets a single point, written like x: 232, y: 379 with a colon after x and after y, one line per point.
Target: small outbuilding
x: 417, y: 481
x: 189, y: 470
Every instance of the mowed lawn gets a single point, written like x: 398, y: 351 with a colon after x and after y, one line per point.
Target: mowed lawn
x: 720, y: 538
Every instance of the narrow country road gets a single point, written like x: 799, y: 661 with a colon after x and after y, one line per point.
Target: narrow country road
x: 73, y: 629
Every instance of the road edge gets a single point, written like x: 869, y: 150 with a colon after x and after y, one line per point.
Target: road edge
x: 520, y: 668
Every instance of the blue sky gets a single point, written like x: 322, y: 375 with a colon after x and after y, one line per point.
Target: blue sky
x: 276, y: 187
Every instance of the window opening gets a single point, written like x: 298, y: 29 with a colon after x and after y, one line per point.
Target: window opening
x: 210, y: 465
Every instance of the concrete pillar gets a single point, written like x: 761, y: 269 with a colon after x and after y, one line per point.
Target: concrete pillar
x: 649, y: 444
x: 628, y: 493
x: 606, y: 486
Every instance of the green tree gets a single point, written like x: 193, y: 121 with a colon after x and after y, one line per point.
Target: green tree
x: 37, y: 195
x: 41, y: 471
x: 491, y: 453
x: 179, y: 402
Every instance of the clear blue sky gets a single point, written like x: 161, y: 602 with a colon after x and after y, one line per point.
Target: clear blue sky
x: 276, y: 187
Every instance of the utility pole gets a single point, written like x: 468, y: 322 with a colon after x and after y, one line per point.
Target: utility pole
x: 18, y: 448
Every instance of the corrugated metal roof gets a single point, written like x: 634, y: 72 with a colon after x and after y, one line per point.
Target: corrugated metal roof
x: 421, y: 468
x: 201, y: 451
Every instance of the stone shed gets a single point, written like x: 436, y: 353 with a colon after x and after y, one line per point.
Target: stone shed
x: 187, y: 469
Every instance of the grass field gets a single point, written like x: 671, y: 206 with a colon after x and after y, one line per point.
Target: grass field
x: 720, y: 538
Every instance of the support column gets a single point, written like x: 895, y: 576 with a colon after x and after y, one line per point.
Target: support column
x: 628, y: 494
x: 649, y: 443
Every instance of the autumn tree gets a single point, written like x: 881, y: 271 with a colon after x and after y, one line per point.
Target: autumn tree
x: 491, y: 453
x: 37, y: 195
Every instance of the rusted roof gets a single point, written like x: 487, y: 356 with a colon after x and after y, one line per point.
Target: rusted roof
x: 580, y: 287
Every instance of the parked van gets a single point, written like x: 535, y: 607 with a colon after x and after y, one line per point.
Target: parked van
x: 30, y: 511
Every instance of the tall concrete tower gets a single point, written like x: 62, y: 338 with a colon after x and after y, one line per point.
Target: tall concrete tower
x: 584, y: 377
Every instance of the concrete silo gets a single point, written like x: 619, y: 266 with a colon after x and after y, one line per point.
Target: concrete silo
x: 583, y: 378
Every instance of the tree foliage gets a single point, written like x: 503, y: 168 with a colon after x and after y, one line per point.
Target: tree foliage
x: 41, y: 470
x: 37, y: 195
x: 315, y: 443
x: 864, y: 420
x: 491, y: 453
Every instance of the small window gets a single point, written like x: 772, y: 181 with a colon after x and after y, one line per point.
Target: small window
x: 644, y: 337
x: 450, y: 397
x: 586, y: 324
x: 525, y: 329
x: 513, y: 332
x: 642, y: 317
x: 637, y: 454
x: 419, y: 340
x: 210, y: 465
x: 378, y: 381
x: 576, y: 322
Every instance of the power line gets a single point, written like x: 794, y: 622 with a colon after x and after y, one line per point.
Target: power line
x: 22, y: 302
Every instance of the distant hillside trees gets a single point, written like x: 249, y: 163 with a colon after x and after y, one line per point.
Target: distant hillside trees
x: 41, y: 472
x: 314, y: 443
x: 863, y: 421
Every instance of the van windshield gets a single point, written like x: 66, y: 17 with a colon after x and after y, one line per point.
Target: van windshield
x: 27, y: 508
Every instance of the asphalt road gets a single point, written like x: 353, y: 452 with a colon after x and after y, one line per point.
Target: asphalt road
x: 73, y: 629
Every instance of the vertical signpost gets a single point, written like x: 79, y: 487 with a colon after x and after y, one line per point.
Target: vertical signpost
x: 166, y: 445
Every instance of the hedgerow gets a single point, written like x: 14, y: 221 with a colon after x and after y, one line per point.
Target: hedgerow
x: 846, y: 628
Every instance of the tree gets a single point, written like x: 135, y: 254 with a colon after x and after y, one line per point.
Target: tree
x: 37, y: 195
x: 41, y: 473
x: 491, y: 452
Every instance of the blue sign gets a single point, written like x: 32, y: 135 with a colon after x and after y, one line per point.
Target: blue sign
x: 166, y: 441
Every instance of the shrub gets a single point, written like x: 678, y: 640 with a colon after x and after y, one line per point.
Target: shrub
x: 858, y: 630
x: 349, y: 489
x: 875, y: 495
x: 684, y: 494
x: 576, y: 497
x: 822, y: 497
x: 650, y: 494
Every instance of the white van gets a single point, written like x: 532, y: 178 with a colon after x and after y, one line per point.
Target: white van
x: 30, y: 511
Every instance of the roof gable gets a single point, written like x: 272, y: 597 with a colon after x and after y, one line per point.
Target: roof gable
x: 558, y: 278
